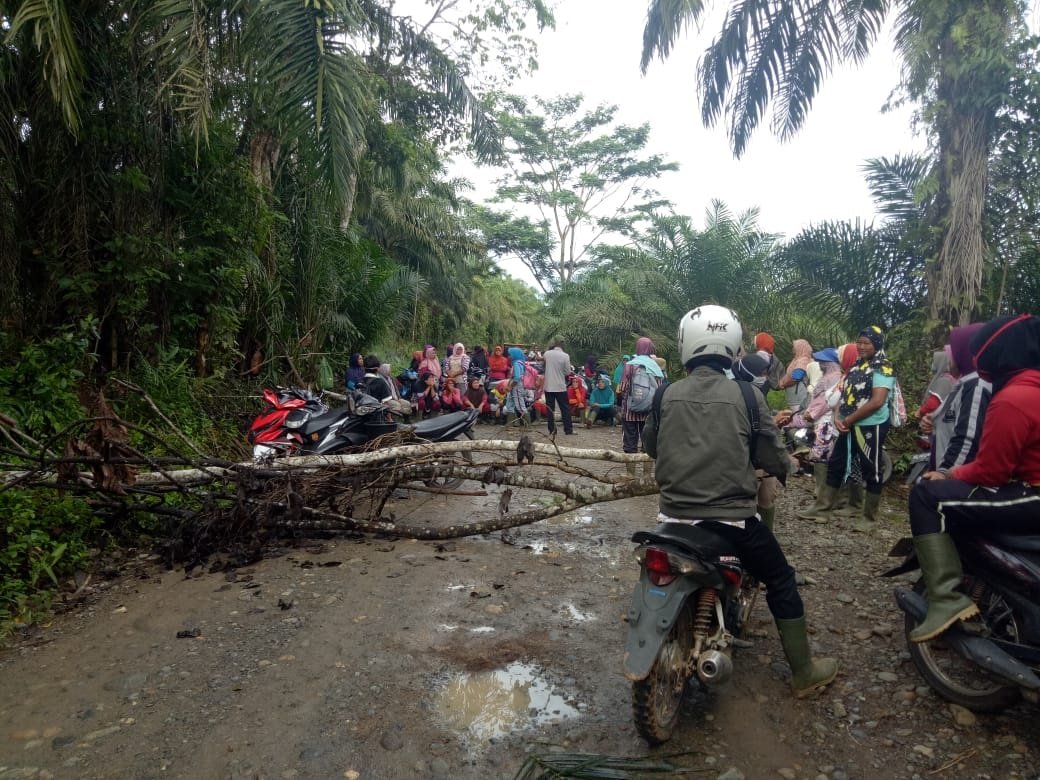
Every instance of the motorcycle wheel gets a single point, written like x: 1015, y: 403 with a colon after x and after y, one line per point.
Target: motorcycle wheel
x: 656, y: 699
x: 954, y: 677
x: 450, y: 483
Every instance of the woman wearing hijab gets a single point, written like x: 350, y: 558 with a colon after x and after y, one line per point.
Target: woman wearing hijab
x: 457, y: 365
x: 862, y: 423
x: 942, y: 384
x: 957, y: 425
x: 430, y: 364
x: 498, y: 365
x: 795, y: 381
x: 516, y: 400
x: 355, y: 371
x: 632, y: 423
x: 819, y: 416
x: 1007, y: 469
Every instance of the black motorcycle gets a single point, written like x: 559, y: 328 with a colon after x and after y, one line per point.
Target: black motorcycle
x: 689, y: 610
x: 289, y: 427
x: 989, y: 663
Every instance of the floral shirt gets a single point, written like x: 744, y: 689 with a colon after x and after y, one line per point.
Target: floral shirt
x: 860, y: 384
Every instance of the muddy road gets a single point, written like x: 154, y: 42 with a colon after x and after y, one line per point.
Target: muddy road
x: 381, y: 658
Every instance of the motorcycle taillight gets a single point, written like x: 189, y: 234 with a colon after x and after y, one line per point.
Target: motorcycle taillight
x: 731, y: 576
x: 658, y: 566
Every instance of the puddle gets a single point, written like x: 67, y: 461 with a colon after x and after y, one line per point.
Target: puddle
x: 572, y: 519
x: 554, y: 548
x: 492, y: 704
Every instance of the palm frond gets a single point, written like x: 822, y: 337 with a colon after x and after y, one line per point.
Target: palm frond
x: 665, y: 19
x: 54, y: 38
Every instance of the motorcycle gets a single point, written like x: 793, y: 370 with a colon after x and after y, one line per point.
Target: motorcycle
x: 689, y: 610
x: 297, y: 422
x: 920, y: 460
x: 989, y: 663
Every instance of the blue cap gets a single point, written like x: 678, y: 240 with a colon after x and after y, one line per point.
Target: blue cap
x: 828, y: 355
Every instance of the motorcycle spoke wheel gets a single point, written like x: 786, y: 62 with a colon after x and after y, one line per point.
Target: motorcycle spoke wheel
x: 954, y: 677
x: 656, y: 699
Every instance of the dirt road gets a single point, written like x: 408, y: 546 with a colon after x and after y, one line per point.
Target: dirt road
x: 376, y: 658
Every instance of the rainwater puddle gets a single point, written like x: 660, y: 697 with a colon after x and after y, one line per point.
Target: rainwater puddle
x: 492, y: 704
x: 555, y: 548
x: 571, y: 519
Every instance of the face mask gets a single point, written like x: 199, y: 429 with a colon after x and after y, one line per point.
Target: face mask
x: 759, y: 381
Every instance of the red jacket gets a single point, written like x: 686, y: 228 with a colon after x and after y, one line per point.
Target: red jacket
x: 1010, y: 446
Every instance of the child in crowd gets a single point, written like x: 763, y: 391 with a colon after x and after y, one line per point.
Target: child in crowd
x: 497, y: 401
x: 577, y: 397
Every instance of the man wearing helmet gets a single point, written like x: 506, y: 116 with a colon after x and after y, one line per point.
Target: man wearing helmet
x: 1000, y: 489
x: 700, y: 435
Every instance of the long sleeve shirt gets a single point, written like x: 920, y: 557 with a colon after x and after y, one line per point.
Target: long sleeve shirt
x: 1010, y: 446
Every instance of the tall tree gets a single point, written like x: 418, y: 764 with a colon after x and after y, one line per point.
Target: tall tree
x: 584, y: 176
x: 956, y: 60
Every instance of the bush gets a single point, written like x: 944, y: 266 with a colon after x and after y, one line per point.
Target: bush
x: 43, y: 540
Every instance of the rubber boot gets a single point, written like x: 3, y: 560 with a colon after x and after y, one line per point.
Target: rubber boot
x: 853, y: 506
x: 871, y: 507
x: 768, y: 516
x: 941, y: 569
x: 808, y: 677
x: 822, y: 509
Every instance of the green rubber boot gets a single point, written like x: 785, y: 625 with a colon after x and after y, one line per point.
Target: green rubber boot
x: 808, y: 677
x: 852, y: 501
x: 768, y: 516
x: 941, y: 569
x: 822, y: 509
x: 871, y: 507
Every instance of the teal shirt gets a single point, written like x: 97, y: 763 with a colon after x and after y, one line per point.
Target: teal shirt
x: 881, y: 415
x: 604, y: 397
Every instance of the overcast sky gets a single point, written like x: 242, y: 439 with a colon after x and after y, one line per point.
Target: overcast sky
x: 814, y: 177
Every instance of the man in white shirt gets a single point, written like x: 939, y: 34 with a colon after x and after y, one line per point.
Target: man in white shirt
x: 557, y: 367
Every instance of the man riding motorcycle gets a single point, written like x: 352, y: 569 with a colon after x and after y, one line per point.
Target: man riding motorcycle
x: 1000, y: 488
x: 700, y: 434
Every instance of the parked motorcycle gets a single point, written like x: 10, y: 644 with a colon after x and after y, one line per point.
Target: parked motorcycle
x: 920, y: 460
x: 689, y: 609
x: 985, y: 664
x: 297, y: 422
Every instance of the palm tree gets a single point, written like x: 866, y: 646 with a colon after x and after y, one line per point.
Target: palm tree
x: 956, y: 60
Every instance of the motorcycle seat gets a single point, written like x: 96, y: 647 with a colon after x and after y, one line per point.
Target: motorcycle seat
x: 436, y: 428
x: 693, y: 538
x: 321, y: 421
x: 1017, y: 542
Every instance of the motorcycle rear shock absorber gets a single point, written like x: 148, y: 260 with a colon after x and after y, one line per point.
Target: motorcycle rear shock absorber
x: 705, y: 611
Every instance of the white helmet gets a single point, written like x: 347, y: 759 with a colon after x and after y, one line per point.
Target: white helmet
x: 709, y: 330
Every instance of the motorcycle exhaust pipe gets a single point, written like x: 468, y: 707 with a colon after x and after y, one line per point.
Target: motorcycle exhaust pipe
x: 714, y: 667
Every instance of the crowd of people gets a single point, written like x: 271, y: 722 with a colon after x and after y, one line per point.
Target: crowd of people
x: 507, y: 384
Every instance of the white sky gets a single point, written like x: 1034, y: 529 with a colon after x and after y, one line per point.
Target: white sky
x: 814, y: 177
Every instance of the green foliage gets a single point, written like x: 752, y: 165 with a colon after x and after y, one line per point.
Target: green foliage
x: 43, y: 540
x: 584, y: 176
x: 39, y: 387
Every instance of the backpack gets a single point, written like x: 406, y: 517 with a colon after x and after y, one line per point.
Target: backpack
x: 532, y: 379
x: 641, y: 390
x: 896, y: 406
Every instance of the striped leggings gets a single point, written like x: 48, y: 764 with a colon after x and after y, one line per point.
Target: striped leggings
x: 938, y: 505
